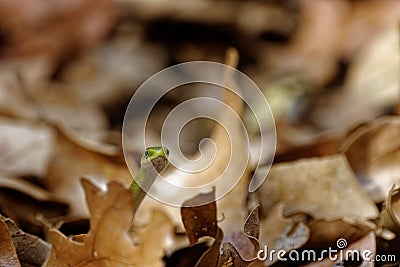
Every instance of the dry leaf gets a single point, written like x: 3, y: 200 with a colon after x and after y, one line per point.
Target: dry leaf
x: 372, y: 77
x: 8, y: 255
x: 326, y: 233
x: 240, y: 249
x: 26, y: 147
x: 31, y: 250
x: 367, y: 243
x: 108, y: 242
x: 24, y: 202
x: 373, y: 151
x: 300, y: 185
x: 280, y: 233
x: 390, y: 214
x: 200, y: 220
x: 71, y: 159
x: 55, y: 28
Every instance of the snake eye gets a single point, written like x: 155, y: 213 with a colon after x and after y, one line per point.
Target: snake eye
x: 167, y: 151
x: 146, y: 154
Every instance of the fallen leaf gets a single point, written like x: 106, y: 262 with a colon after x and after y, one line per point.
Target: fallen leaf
x: 200, y: 220
x: 280, y: 233
x: 24, y: 202
x: 8, y: 256
x: 31, y: 250
x: 373, y: 152
x: 372, y: 77
x: 26, y: 147
x: 390, y: 214
x: 71, y: 159
x: 108, y: 242
x: 299, y: 185
x: 230, y: 257
x: 242, y: 248
x: 326, y: 233
x: 348, y: 255
x: 53, y: 29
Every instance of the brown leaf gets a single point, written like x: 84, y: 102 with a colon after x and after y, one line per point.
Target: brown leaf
x: 31, y: 250
x: 362, y: 245
x: 280, y: 233
x: 24, y: 202
x: 299, y: 185
x: 390, y: 214
x: 26, y: 147
x: 326, y: 233
x: 230, y: 257
x: 373, y: 151
x: 54, y: 29
x: 108, y: 242
x: 211, y: 256
x: 72, y: 159
x: 201, y: 220
x: 8, y: 256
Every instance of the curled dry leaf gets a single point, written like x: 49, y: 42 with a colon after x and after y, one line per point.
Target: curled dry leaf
x: 326, y: 233
x: 8, y: 256
x: 372, y: 77
x: 242, y: 248
x: 280, y: 233
x: 200, y: 221
x: 26, y: 147
x: 373, y: 151
x: 347, y: 256
x: 31, y: 250
x: 72, y: 159
x: 299, y: 185
x: 108, y: 242
x: 390, y: 214
x: 24, y: 202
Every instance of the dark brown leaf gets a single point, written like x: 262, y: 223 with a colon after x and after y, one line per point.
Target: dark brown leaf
x: 201, y: 220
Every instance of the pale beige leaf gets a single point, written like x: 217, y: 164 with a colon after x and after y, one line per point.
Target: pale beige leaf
x: 325, y: 188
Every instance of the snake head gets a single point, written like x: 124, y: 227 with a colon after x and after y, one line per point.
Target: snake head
x: 157, y: 156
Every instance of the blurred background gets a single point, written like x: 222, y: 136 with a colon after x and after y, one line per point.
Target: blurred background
x: 324, y: 67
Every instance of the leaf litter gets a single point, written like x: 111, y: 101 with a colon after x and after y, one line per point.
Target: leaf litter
x: 335, y: 174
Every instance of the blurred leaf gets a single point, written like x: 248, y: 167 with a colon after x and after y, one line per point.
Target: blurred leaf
x: 73, y: 158
x: 280, y: 233
x: 55, y: 28
x: 108, y: 242
x: 31, y: 250
x: 373, y: 151
x: 26, y: 147
x: 390, y: 214
x: 299, y: 185
x: 367, y: 243
x: 326, y: 233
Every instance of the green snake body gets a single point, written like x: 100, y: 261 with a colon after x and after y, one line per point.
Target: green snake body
x: 154, y: 160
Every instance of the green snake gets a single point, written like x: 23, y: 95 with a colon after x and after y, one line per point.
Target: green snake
x: 154, y: 160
